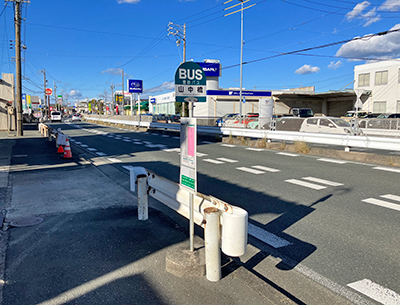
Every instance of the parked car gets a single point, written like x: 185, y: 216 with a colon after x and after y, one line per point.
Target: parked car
x: 219, y: 122
x: 76, y: 117
x: 161, y: 117
x: 56, y: 116
x: 389, y: 116
x: 174, y: 118
x: 329, y: 125
x: 302, y: 112
x: 237, y: 122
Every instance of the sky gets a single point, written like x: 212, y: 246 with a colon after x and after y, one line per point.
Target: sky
x: 86, y: 46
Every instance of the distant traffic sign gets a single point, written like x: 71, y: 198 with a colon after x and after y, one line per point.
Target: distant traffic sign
x: 49, y: 91
x: 190, y: 83
x: 135, y: 86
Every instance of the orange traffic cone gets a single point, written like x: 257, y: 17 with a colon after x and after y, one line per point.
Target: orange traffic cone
x: 67, y: 151
x: 60, y: 150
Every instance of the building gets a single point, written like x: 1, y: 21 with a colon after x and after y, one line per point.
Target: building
x: 7, y: 120
x: 382, y: 79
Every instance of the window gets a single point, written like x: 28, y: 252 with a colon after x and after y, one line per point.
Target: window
x: 363, y: 80
x: 381, y: 78
x: 312, y: 121
x: 379, y: 107
x: 324, y: 122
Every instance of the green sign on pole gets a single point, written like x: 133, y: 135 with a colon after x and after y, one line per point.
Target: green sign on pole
x: 190, y: 83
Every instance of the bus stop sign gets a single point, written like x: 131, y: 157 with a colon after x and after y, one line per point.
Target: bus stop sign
x: 190, y: 83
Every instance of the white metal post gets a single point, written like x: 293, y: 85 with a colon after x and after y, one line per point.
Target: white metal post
x: 143, y: 213
x: 131, y: 103
x: 241, y: 61
x: 212, y: 247
x: 191, y: 222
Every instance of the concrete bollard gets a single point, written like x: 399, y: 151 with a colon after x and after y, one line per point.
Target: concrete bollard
x: 212, y: 247
x: 143, y: 206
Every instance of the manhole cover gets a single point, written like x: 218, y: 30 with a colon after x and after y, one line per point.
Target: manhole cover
x: 26, y: 222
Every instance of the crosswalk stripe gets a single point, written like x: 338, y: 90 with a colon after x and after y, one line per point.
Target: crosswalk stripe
x: 213, y: 161
x: 287, y: 154
x: 199, y: 154
x: 376, y: 292
x: 250, y: 170
x: 92, y: 149
x: 114, y: 160
x: 227, y: 160
x: 306, y: 184
x: 267, y: 169
x: 332, y: 161
x: 382, y: 203
x: 391, y: 197
x: 101, y: 154
x: 172, y: 150
x: 206, y: 142
x: 84, y: 145
x: 327, y: 182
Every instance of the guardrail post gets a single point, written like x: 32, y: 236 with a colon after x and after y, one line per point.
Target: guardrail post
x: 143, y: 208
x: 212, y: 247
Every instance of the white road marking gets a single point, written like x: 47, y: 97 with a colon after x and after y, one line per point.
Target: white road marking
x: 213, y: 161
x: 327, y: 182
x: 267, y: 237
x: 376, y: 292
x: 388, y: 169
x: 382, y: 203
x: 227, y: 160
x: 71, y: 140
x: 147, y: 142
x: 250, y: 170
x: 199, y: 154
x: 178, y: 138
x: 138, y: 142
x: 206, y: 142
x: 92, y: 149
x: 228, y: 145
x: 254, y: 149
x: 172, y: 150
x: 110, y: 136
x: 117, y: 138
x: 287, y: 154
x: 306, y: 184
x: 127, y: 140
x: 84, y: 145
x: 391, y: 197
x: 20, y: 156
x: 101, y: 154
x: 332, y: 161
x: 114, y: 160
x: 79, y: 143
x: 267, y: 169
x: 165, y: 136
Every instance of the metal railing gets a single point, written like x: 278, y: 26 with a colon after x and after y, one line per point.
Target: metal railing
x: 209, y: 212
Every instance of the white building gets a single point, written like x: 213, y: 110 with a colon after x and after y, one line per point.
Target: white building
x: 382, y: 78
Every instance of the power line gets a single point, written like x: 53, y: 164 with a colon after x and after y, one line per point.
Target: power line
x: 366, y: 37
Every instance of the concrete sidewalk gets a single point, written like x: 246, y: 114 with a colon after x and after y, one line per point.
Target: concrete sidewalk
x: 90, y: 248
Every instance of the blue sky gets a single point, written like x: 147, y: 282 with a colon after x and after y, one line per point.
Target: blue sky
x: 84, y: 45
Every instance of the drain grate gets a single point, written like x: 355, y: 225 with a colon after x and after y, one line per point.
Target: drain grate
x: 26, y: 222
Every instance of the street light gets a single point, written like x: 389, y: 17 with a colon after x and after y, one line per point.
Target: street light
x: 241, y: 2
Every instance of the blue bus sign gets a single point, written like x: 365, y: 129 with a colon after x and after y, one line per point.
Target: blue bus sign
x: 135, y: 86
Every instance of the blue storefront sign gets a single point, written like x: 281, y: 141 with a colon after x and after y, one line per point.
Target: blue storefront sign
x: 152, y: 100
x: 211, y: 69
x: 135, y: 86
x: 237, y: 93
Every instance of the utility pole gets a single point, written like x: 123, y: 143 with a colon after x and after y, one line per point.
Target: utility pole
x: 112, y: 98
x: 44, y: 92
x: 17, y: 25
x: 123, y: 94
x: 105, y: 100
x: 179, y: 31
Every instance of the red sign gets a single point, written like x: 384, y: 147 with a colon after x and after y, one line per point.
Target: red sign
x: 49, y: 91
x: 51, y: 108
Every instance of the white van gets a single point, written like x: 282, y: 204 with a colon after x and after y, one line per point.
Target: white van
x: 328, y: 125
x: 56, y: 116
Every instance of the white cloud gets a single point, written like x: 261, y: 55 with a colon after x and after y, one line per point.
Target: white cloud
x: 384, y: 46
x: 307, y: 69
x: 113, y: 71
x: 390, y: 5
x: 357, y: 10
x: 371, y: 17
x: 128, y: 1
x: 334, y: 65
x: 74, y: 94
x: 166, y: 86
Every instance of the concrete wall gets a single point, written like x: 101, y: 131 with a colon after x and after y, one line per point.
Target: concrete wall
x: 6, y: 98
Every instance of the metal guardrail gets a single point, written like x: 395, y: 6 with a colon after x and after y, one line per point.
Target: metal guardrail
x: 209, y: 213
x: 372, y: 142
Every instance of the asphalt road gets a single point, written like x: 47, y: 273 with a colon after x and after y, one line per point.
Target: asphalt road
x: 338, y: 220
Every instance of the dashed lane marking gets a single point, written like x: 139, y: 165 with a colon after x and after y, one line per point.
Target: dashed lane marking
x: 250, y: 170
x: 228, y: 145
x: 227, y: 160
x: 332, y: 161
x: 254, y: 149
x: 101, y: 154
x: 306, y: 184
x: 267, y: 169
x: 206, y: 142
x: 391, y: 197
x: 383, y: 203
x: 388, y: 169
x: 322, y: 181
x: 287, y: 154
x: 114, y: 160
x: 92, y: 149
x: 84, y: 145
x: 213, y: 161
x: 376, y: 292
